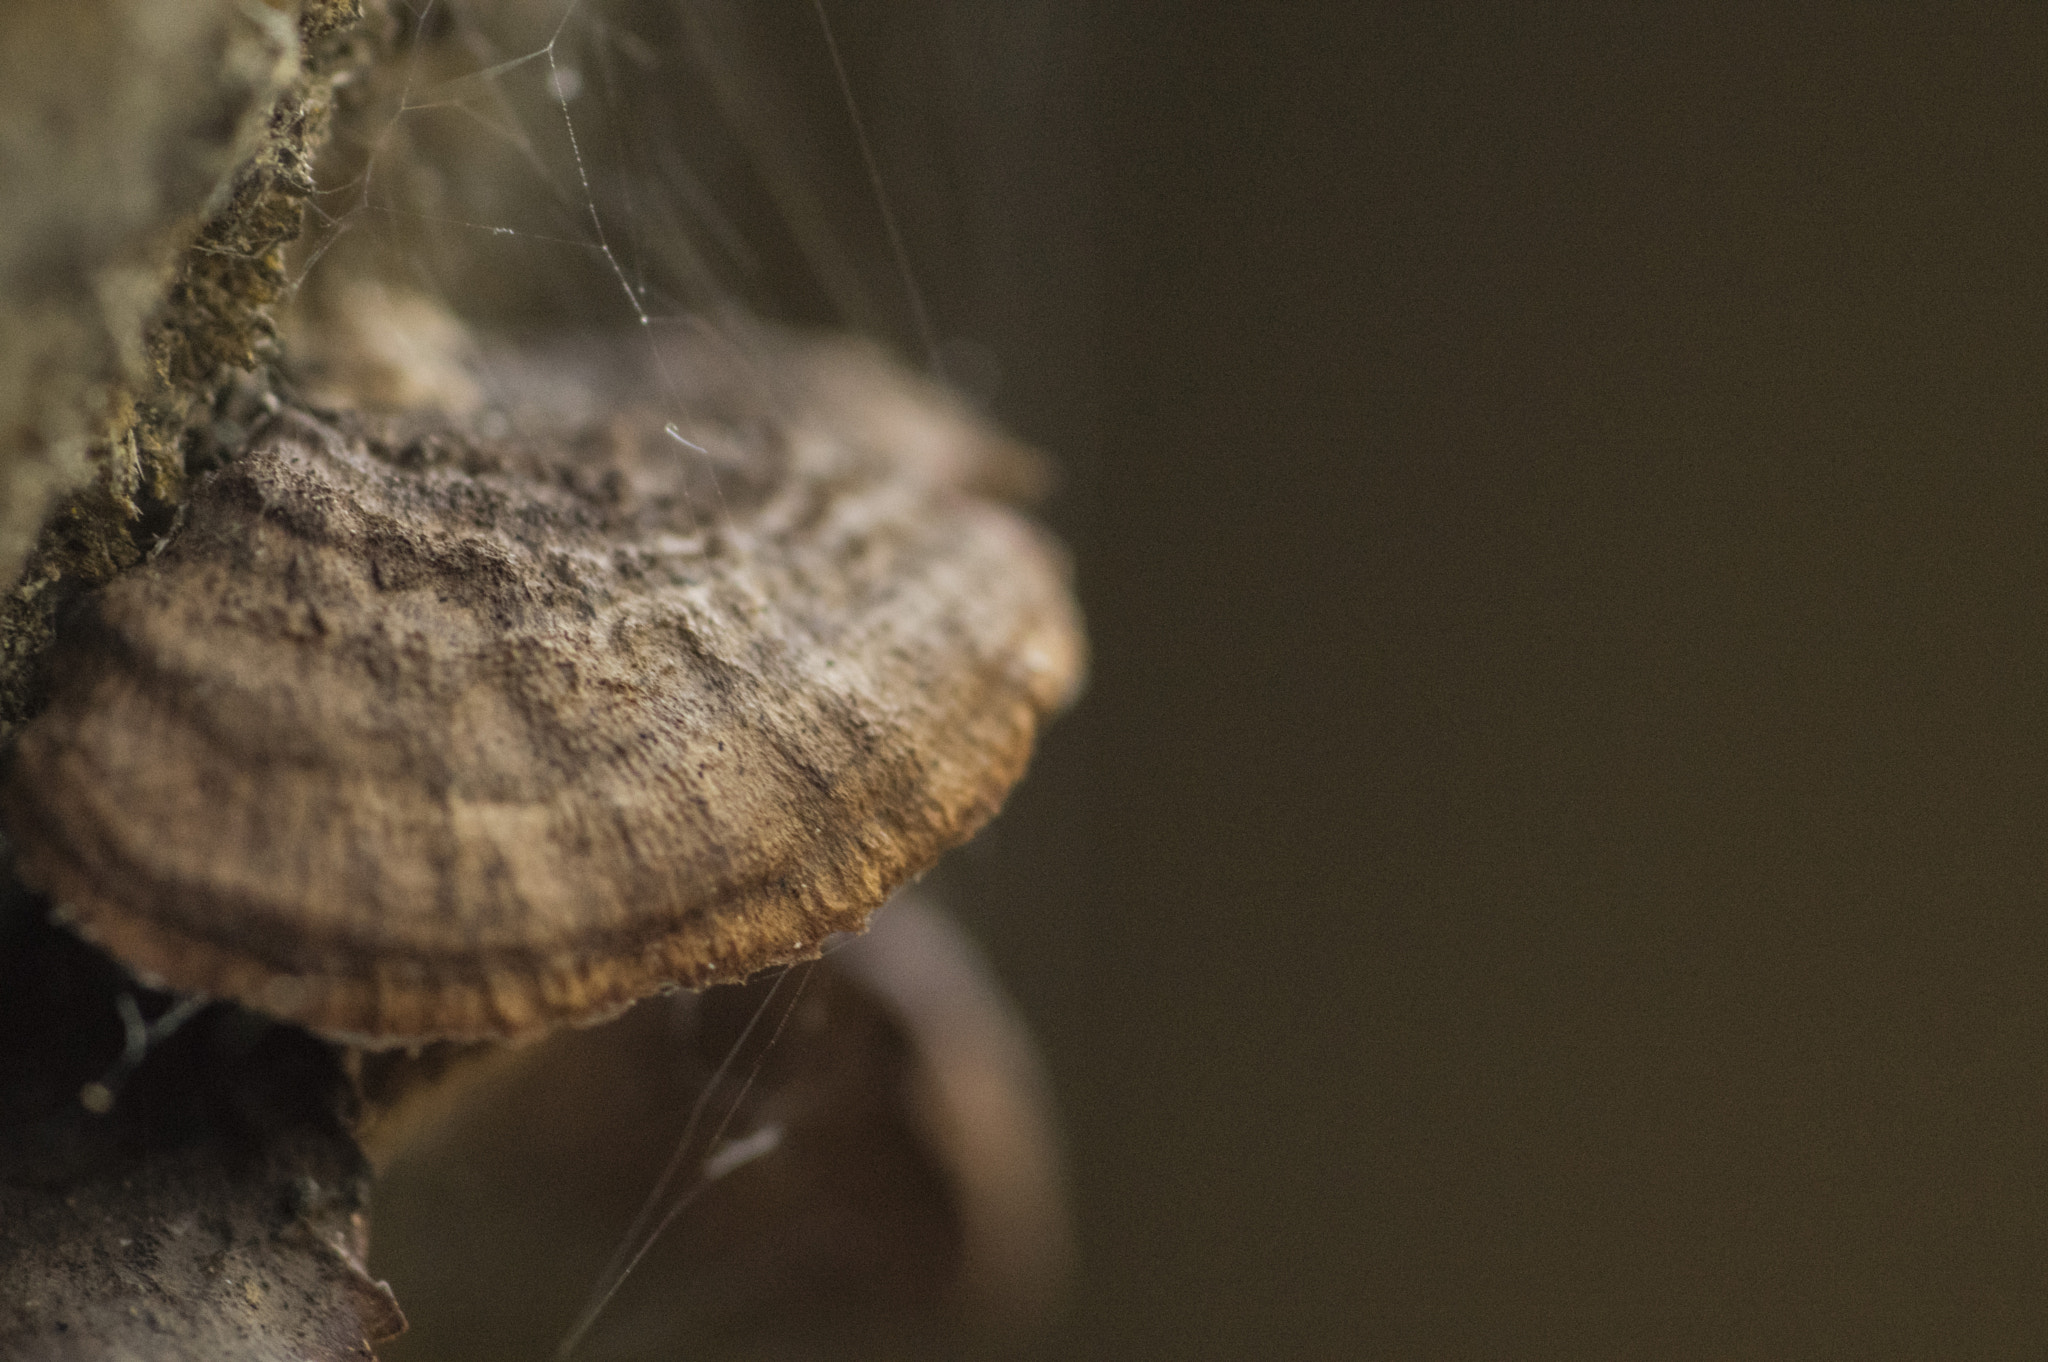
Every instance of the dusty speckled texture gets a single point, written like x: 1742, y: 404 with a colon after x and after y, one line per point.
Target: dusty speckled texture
x: 411, y: 733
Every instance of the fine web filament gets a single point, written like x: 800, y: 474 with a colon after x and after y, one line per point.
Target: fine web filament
x: 912, y: 292
x: 561, y: 87
x: 717, y: 1162
x: 562, y: 83
x: 684, y: 1141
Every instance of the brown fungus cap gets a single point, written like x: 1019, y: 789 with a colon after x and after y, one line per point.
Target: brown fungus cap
x: 413, y: 733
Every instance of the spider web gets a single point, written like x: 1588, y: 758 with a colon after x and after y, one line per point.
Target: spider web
x: 550, y: 165
x: 586, y: 163
x: 542, y: 167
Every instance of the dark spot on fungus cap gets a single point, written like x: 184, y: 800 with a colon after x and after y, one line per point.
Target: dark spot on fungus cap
x: 414, y: 734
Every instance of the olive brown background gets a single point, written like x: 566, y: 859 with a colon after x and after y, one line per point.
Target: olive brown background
x: 1552, y: 861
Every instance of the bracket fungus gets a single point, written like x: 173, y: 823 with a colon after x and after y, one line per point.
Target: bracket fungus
x: 408, y: 689
x: 657, y: 668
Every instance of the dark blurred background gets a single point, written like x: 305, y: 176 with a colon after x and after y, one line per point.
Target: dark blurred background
x: 1551, y: 864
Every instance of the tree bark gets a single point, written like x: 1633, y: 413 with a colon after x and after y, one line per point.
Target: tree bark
x: 215, y: 1211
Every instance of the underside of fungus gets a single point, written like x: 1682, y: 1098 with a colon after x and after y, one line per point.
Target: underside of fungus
x: 656, y: 668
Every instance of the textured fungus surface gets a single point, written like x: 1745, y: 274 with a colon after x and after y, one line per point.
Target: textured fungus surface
x: 408, y: 733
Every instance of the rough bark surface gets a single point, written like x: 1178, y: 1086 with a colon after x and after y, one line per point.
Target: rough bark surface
x: 215, y: 1212
x: 154, y: 159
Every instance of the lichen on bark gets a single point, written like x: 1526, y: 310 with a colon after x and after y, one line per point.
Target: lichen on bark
x: 157, y: 159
